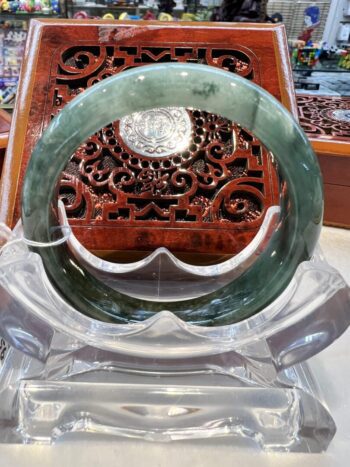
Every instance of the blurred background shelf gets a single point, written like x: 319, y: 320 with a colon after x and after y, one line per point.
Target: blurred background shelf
x: 25, y: 16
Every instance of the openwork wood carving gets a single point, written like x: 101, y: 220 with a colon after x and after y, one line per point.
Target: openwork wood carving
x: 222, y: 180
x: 209, y: 195
x: 322, y: 116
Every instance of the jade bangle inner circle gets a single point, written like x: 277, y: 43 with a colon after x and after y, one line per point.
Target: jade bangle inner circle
x: 178, y: 85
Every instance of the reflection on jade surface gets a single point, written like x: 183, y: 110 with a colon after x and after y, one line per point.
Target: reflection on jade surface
x: 210, y: 90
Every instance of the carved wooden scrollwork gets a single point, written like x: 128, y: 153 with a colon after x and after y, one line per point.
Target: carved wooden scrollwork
x: 195, y: 185
x: 223, y: 180
x: 325, y: 116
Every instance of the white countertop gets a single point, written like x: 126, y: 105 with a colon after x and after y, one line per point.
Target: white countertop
x: 332, y: 368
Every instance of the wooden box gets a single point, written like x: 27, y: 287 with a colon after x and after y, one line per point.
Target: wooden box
x: 63, y: 57
x: 326, y: 121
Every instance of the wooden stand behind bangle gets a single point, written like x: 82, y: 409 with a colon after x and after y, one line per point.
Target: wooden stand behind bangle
x: 117, y: 199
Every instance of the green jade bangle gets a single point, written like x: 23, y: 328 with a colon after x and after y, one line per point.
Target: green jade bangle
x: 181, y: 85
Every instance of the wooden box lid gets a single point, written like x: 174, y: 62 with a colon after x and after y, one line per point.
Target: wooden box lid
x: 63, y: 57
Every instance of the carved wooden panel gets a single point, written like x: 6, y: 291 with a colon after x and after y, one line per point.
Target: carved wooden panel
x: 326, y: 121
x: 325, y: 116
x: 210, y: 196
x: 223, y: 179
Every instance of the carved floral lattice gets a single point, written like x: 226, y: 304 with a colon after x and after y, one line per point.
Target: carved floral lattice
x: 318, y: 116
x: 223, y: 180
x: 209, y: 182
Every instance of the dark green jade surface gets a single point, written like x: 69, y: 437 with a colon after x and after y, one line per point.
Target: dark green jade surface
x: 182, y: 85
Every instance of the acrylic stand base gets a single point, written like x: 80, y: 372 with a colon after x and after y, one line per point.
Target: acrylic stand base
x: 183, y: 400
x: 66, y: 375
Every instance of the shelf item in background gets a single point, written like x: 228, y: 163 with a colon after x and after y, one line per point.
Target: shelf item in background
x: 293, y: 15
x: 108, y: 16
x: 326, y: 121
x: 8, y: 89
x: 127, y: 16
x: 12, y: 43
x: 33, y: 8
x: 320, y: 57
x: 55, y: 7
x: 344, y: 61
x: 64, y: 67
x: 311, y: 22
x: 149, y: 15
x: 163, y: 17
x: 81, y: 15
x: 306, y: 56
x: 343, y: 33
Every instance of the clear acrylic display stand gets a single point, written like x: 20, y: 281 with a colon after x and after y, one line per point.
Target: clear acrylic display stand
x: 66, y: 375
